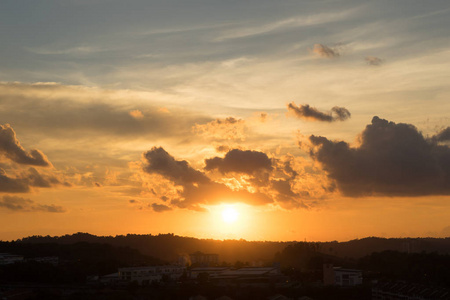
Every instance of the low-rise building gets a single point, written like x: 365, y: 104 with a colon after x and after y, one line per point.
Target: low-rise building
x: 340, y: 276
x: 147, y: 275
x: 211, y: 271
x: 8, y: 258
x: 204, y: 259
x: 248, y: 276
x: 408, y: 291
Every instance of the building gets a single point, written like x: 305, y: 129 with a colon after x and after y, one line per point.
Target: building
x: 340, y: 276
x: 211, y: 271
x: 53, y: 260
x: 8, y: 258
x: 147, y: 275
x: 248, y: 276
x: 203, y: 259
x: 408, y: 291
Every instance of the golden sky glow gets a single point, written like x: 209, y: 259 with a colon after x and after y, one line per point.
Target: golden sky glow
x: 262, y: 120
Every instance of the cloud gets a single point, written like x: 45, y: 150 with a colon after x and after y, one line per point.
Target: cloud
x: 392, y: 160
x: 244, y: 176
x: 340, y: 113
x: 23, y: 181
x: 160, y: 207
x: 325, y: 51
x: 240, y: 161
x: 11, y: 148
x: 373, y: 60
x: 311, y: 113
x: 137, y: 114
x: 13, y: 185
x: 263, y: 117
x: 62, y: 111
x: 22, y: 204
x: 286, y: 24
x: 193, y: 187
x: 222, y: 129
x: 161, y: 162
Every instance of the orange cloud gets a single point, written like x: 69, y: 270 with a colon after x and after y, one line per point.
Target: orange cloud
x: 222, y: 129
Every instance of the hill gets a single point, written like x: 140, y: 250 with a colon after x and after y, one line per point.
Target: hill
x: 169, y: 246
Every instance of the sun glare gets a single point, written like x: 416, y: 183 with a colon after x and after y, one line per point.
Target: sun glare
x: 230, y: 215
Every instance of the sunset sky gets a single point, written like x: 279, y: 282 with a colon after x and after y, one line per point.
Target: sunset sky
x: 309, y: 119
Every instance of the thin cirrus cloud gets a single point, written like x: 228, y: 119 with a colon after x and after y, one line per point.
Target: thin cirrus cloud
x: 311, y: 113
x: 392, y: 160
x: 14, y: 203
x: 84, y: 112
x: 281, y: 25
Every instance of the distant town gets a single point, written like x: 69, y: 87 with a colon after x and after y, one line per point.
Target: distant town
x: 83, y: 266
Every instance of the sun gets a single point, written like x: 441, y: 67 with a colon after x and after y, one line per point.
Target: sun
x: 230, y: 215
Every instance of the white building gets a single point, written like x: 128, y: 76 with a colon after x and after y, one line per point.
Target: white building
x: 146, y: 275
x: 342, y: 277
x: 348, y: 277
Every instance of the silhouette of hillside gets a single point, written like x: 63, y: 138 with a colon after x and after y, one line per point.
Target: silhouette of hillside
x: 168, y: 246
x: 73, y: 262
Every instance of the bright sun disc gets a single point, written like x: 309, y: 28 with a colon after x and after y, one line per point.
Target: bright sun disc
x: 229, y: 215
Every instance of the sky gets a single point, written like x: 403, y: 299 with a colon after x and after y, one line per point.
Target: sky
x: 312, y: 120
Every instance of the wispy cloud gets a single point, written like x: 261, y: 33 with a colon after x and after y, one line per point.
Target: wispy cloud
x: 78, y: 50
x: 14, y: 203
x: 294, y: 22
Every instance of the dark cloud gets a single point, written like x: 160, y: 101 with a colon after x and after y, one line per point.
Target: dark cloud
x: 161, y: 162
x: 392, y: 160
x: 23, y: 182
x: 249, y: 177
x: 34, y: 178
x: 285, y: 195
x: 340, y: 113
x: 10, y: 147
x: 308, y: 112
x: 222, y: 148
x: 22, y: 204
x: 160, y: 207
x: 373, y: 61
x: 240, y: 161
x: 196, y: 187
x: 13, y: 185
x: 325, y: 51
